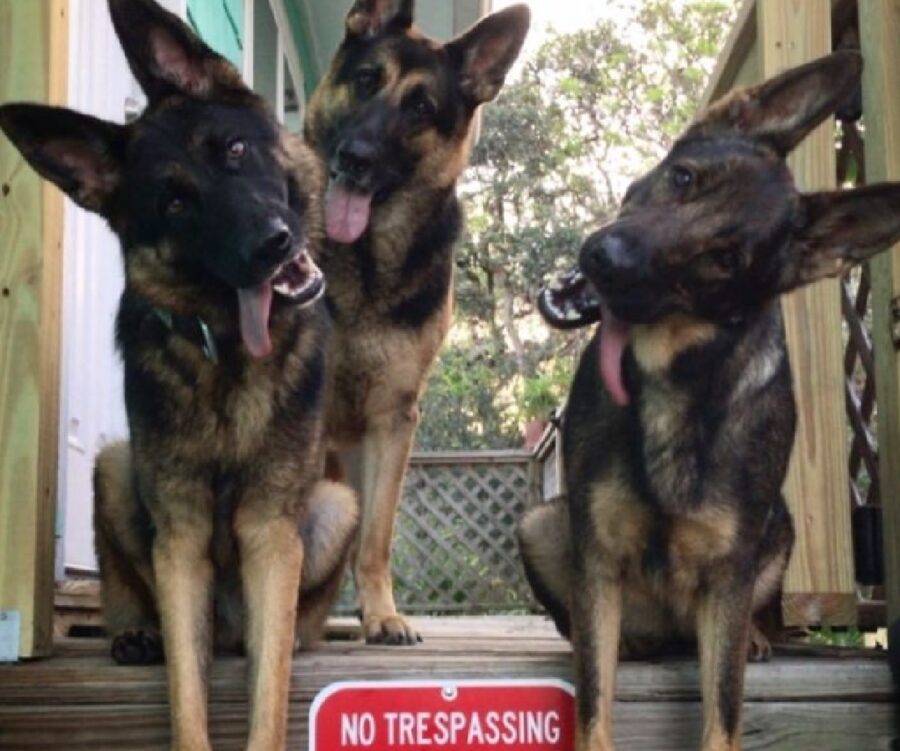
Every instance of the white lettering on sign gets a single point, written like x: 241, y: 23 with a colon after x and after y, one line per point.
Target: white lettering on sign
x: 357, y: 730
x: 449, y: 729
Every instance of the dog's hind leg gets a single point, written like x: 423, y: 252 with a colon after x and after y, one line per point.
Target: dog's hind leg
x: 122, y: 536
x: 543, y: 533
x: 723, y: 630
x: 327, y: 533
x: 778, y: 542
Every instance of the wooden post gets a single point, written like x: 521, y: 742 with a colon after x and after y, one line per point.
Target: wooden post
x: 33, y: 65
x: 819, y: 586
x: 879, y: 25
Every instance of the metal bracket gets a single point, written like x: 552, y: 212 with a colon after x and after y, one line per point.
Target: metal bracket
x: 10, y: 631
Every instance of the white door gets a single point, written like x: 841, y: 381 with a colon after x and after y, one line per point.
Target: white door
x: 92, y: 405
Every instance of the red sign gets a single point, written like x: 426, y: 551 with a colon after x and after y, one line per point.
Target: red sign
x: 514, y: 715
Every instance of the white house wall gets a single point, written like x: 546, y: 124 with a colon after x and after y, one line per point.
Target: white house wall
x: 93, y: 409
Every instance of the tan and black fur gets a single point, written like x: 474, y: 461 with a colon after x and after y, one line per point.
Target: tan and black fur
x: 392, y: 122
x: 675, y: 524
x: 214, y: 521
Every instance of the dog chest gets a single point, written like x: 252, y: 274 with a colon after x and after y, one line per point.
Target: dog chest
x: 667, y: 553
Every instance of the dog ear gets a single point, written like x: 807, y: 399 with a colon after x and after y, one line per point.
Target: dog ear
x: 784, y: 109
x: 167, y: 57
x: 486, y: 52
x: 80, y: 154
x: 836, y: 230
x: 369, y: 18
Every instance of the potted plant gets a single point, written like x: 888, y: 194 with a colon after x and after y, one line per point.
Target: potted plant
x: 541, y: 395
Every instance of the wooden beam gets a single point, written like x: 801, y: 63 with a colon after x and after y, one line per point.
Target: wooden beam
x: 738, y: 63
x: 740, y: 46
x: 879, y: 25
x: 819, y: 586
x: 33, y: 55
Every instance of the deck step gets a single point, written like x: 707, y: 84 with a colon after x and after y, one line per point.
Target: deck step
x: 80, y: 700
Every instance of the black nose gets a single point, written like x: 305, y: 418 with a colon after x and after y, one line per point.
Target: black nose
x: 356, y: 158
x: 277, y: 246
x: 605, y: 252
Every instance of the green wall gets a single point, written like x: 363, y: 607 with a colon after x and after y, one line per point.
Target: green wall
x: 318, y: 27
x: 221, y: 25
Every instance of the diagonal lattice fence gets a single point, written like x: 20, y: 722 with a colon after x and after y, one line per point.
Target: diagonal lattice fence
x: 455, y: 546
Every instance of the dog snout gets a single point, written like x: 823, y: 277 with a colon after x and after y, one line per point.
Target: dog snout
x: 277, y: 245
x: 607, y: 252
x: 356, y: 157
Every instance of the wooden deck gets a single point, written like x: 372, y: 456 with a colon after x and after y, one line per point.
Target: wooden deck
x: 80, y: 700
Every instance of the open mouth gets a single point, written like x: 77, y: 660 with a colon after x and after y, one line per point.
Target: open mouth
x: 298, y: 281
x: 569, y: 301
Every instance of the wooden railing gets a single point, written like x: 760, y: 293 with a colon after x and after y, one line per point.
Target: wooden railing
x: 833, y: 328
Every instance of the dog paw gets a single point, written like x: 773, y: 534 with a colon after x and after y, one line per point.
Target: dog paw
x: 138, y: 647
x: 393, y: 630
x: 760, y: 649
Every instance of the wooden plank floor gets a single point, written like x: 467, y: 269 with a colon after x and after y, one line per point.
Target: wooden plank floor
x: 80, y: 700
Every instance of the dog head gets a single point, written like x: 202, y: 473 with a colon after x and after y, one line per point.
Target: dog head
x: 203, y: 189
x: 719, y: 228
x: 396, y: 107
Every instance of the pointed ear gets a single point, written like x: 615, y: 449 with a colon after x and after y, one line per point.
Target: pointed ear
x: 486, y: 52
x: 369, y: 18
x: 839, y: 229
x: 80, y: 154
x: 784, y: 109
x: 167, y: 57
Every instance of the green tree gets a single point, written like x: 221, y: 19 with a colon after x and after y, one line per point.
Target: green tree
x: 590, y: 111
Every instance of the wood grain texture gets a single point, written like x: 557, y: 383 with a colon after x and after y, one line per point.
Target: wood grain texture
x: 880, y: 39
x: 790, y: 33
x: 640, y: 726
x: 80, y: 700
x: 737, y: 64
x: 53, y: 210
x: 32, y: 67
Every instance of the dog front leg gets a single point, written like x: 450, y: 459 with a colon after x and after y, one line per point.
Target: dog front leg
x: 184, y: 585
x: 271, y: 560
x: 385, y: 454
x: 723, y: 631
x: 596, y: 624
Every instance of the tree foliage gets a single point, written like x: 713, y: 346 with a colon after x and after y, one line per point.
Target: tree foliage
x: 589, y: 112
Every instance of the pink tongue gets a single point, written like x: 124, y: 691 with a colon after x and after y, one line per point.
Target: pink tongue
x: 255, y: 305
x: 346, y: 214
x: 613, y: 338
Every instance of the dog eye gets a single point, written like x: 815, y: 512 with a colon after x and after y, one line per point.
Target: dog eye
x: 174, y: 206
x: 681, y: 177
x: 175, y: 200
x: 728, y: 260
x: 367, y: 81
x: 237, y: 149
x: 420, y: 105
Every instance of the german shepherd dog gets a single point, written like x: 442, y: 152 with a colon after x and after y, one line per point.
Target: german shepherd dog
x: 208, y: 517
x: 681, y: 415
x: 392, y: 122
